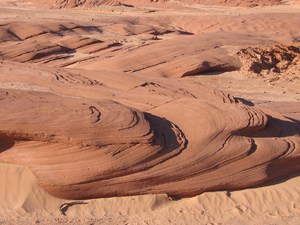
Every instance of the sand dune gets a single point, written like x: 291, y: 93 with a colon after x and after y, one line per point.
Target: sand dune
x: 272, y: 204
x: 149, y: 104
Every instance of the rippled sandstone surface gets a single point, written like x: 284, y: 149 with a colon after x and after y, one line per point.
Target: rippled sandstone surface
x: 104, y: 142
x: 162, y: 98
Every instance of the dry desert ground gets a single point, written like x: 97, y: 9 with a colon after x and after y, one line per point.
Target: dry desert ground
x: 150, y: 112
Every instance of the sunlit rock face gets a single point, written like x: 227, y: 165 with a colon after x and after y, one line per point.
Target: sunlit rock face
x: 198, y: 139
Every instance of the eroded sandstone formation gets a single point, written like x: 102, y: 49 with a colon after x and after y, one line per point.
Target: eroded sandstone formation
x: 102, y: 107
x: 192, y: 140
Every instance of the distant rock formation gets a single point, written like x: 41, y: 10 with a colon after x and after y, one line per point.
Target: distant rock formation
x: 97, y: 3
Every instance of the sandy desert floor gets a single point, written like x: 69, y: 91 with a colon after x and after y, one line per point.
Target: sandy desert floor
x: 150, y: 112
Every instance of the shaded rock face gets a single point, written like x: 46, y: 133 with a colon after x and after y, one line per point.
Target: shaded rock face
x: 212, y: 67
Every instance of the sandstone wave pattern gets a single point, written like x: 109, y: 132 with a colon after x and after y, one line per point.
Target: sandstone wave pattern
x: 108, y: 106
x: 194, y: 139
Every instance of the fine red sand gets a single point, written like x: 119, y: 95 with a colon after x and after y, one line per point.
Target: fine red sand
x: 106, y: 99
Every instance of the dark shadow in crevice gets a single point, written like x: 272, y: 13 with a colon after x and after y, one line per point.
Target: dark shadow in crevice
x: 282, y: 169
x: 245, y: 102
x: 6, y: 142
x: 279, y: 171
x: 275, y: 128
x: 205, y: 68
x: 294, y: 120
x: 167, y: 132
x: 127, y: 5
x: 62, y: 50
x: 64, y: 207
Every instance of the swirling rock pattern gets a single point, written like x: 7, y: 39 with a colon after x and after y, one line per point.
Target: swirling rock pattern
x: 84, y: 146
x: 111, y: 105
